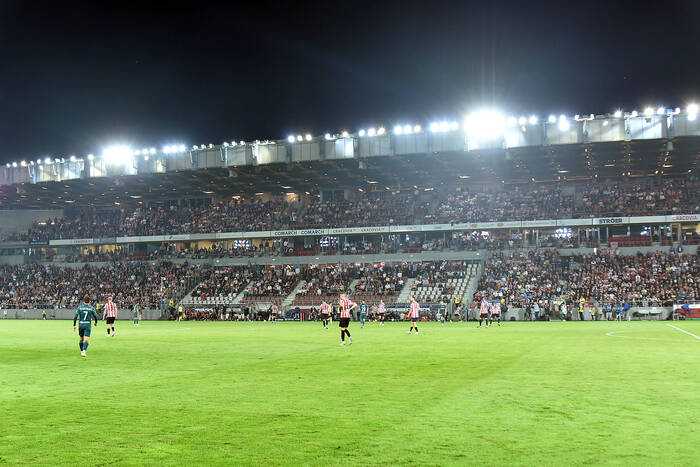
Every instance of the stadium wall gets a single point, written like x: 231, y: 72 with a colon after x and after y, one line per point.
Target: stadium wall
x: 18, y: 220
x: 67, y: 314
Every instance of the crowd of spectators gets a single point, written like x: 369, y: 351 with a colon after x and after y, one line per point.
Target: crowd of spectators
x: 496, y: 203
x: 227, y: 281
x: 652, y: 279
x: 147, y: 284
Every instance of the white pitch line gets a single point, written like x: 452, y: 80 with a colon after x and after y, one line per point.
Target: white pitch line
x: 683, y: 330
x: 614, y: 334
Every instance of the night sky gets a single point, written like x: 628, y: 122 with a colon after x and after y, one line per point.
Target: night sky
x: 76, y: 77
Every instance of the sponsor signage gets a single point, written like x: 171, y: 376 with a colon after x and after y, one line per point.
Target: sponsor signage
x: 610, y: 220
x: 685, y: 218
x: 74, y: 241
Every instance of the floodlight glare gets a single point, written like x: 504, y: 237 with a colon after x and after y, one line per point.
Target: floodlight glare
x: 454, y: 126
x: 484, y: 125
x: 564, y: 124
x: 308, y: 137
x: 300, y: 138
x: 444, y: 126
x: 8, y: 165
x: 660, y: 111
x: 522, y: 121
x: 118, y: 154
x: 225, y: 144
x: 532, y: 120
x: 512, y: 121
x: 38, y: 161
x: 290, y: 138
x: 693, y: 109
x: 90, y: 157
x: 618, y: 113
x: 72, y: 158
x: 634, y: 113
x: 361, y: 133
x: 328, y: 136
x: 552, y: 119
x: 381, y: 131
x: 434, y: 127
x: 398, y: 129
x: 648, y: 111
x: 14, y: 164
x: 371, y: 132
x: 166, y: 150
x: 417, y: 129
x: 692, y: 117
x: 23, y: 163
x: 407, y: 129
x: 48, y: 160
x: 345, y: 134
x: 181, y: 148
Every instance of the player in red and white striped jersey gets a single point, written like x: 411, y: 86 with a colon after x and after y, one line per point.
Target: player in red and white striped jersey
x: 346, y: 306
x: 414, y: 314
x: 325, y: 313
x: 381, y: 309
x: 110, y: 314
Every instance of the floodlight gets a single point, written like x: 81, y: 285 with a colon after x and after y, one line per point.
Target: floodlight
x: 398, y: 129
x: 300, y: 138
x: 484, y: 125
x: 118, y: 154
x: 693, y: 109
x: 308, y: 137
x: 166, y: 150
x: 14, y: 164
x: 345, y: 134
x: 692, y: 117
x: 648, y: 111
x: 417, y: 129
x: 90, y: 157
x: 564, y: 124
x: 38, y: 161
x: 328, y: 136
x: 634, y: 113
x: 618, y: 113
x: 371, y: 132
x: 552, y: 119
x: 290, y: 138
x: 225, y: 144
x: 361, y: 133
x: 72, y: 158
x: 444, y: 126
x: 532, y: 120
x: 434, y: 127
x: 23, y: 163
x: 8, y: 165
x: 233, y: 143
x: 181, y: 148
x: 381, y: 131
x: 407, y: 129
x: 210, y: 147
x: 522, y: 121
x: 660, y: 111
x: 512, y: 121
x: 48, y: 160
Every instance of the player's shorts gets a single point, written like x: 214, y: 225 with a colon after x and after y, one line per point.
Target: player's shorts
x: 381, y: 317
x: 344, y: 322
x: 363, y: 315
x: 414, y: 318
x: 324, y: 315
x: 84, y: 330
x: 484, y: 314
x: 495, y: 315
x: 110, y: 320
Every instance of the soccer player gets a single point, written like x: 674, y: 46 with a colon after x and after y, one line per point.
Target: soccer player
x: 346, y: 306
x: 496, y: 312
x: 484, y: 312
x: 85, y: 313
x: 414, y: 313
x: 110, y: 314
x: 273, y: 314
x: 325, y: 313
x: 442, y: 311
x: 381, y: 309
x: 364, y: 308
x: 136, y: 314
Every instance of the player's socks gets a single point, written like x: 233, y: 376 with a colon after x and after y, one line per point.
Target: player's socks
x: 342, y: 335
x: 80, y: 344
x: 416, y: 328
x: 85, y: 346
x: 348, y: 333
x: 108, y: 331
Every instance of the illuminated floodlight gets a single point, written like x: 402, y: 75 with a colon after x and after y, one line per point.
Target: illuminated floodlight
x: 407, y: 129
x: 181, y: 148
x: 532, y: 120
x: 484, y: 125
x: 166, y: 150
x: 328, y: 136
x: 417, y: 128
x: 14, y: 164
x: 8, y: 165
x: 660, y: 111
x: 345, y: 134
x: 618, y: 113
x: 361, y: 133
x: 444, y: 126
x: 38, y: 162
x: 233, y: 143
x: 144, y: 151
x: 290, y: 139
x: 72, y: 158
x: 300, y: 138
x: 211, y: 146
x: 634, y: 113
x: 454, y: 126
x: 552, y: 119
x: 308, y: 137
x: 48, y: 160
x: 648, y: 112
x: 522, y: 121
x: 434, y: 127
x: 398, y: 129
x: 225, y: 144
x: 241, y: 142
x: 90, y: 157
x: 512, y: 121
x: 23, y: 163
x: 117, y: 154
x: 564, y: 124
x: 562, y: 117
x: 693, y: 108
x: 146, y: 158
x: 371, y: 132
x: 381, y: 131
x: 57, y: 160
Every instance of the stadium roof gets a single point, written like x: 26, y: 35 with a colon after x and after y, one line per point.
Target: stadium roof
x: 636, y: 158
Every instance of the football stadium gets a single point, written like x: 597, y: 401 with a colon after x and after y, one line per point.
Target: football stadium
x: 521, y: 289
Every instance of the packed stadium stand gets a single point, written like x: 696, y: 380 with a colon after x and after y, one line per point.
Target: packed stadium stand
x: 604, y: 207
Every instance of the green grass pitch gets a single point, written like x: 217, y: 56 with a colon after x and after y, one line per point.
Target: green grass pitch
x: 287, y: 394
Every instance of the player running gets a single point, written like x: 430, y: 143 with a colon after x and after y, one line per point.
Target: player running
x: 346, y: 306
x: 442, y: 311
x: 484, y: 312
x: 364, y: 309
x: 137, y: 314
x: 110, y: 314
x: 325, y: 313
x: 381, y: 310
x: 496, y: 312
x: 85, y: 313
x: 414, y: 314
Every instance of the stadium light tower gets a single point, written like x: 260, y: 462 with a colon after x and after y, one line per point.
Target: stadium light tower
x: 398, y: 129
x: 618, y: 113
x: 290, y: 139
x: 552, y: 119
x: 484, y: 125
x: 117, y: 155
x: 692, y: 112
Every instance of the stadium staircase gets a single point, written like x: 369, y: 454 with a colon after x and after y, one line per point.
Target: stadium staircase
x: 239, y: 297
x: 287, y: 302
x: 405, y: 295
x: 353, y: 284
